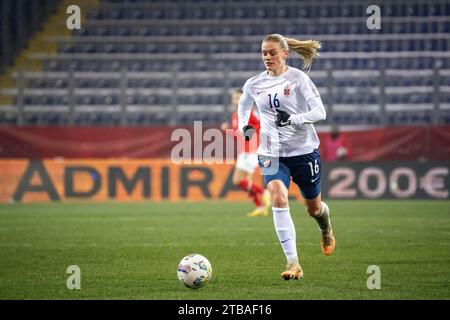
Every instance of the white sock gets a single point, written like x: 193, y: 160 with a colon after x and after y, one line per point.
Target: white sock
x: 323, y: 219
x: 286, y: 232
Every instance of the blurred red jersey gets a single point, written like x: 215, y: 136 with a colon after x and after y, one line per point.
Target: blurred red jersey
x: 247, y: 146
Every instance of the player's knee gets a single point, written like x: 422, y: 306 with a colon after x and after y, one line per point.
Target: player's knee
x: 313, y: 211
x: 280, y: 200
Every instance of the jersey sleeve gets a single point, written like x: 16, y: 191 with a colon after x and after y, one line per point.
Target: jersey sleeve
x: 244, y: 107
x: 308, y: 88
x: 316, y: 108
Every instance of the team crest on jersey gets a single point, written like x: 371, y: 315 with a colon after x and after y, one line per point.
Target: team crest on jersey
x: 287, y: 90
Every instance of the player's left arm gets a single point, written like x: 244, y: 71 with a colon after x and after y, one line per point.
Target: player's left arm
x: 316, y: 108
x: 316, y: 113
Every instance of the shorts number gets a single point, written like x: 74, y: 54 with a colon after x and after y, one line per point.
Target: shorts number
x: 314, y: 168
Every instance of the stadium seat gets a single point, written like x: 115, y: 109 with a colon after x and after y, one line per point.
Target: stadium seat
x: 179, y: 29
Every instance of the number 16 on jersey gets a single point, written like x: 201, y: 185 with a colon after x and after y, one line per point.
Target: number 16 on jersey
x: 275, y: 103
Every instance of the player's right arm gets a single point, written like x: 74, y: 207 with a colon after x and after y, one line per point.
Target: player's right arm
x: 244, y: 110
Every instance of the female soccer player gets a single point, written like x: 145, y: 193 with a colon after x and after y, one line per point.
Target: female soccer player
x: 288, y: 104
x: 247, y: 161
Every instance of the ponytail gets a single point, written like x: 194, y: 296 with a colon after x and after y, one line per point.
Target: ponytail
x: 307, y: 49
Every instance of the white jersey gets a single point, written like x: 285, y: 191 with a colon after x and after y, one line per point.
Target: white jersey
x: 293, y: 92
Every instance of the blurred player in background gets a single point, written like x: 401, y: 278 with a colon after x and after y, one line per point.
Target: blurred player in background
x: 247, y: 161
x: 288, y: 103
x: 335, y: 146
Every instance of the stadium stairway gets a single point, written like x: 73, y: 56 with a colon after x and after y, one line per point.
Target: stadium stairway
x: 54, y: 26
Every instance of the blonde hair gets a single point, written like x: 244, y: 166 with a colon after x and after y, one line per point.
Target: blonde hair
x: 307, y: 49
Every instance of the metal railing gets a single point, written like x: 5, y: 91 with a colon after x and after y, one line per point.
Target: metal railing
x: 174, y: 108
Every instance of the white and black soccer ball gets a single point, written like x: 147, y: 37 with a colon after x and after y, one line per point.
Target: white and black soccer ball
x: 194, y: 271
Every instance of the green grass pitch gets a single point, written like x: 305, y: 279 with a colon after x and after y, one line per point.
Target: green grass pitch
x: 131, y: 250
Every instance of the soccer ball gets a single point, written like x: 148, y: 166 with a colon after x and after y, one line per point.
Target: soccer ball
x: 194, y: 271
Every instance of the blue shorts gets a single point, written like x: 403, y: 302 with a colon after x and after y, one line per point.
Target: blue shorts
x: 305, y: 171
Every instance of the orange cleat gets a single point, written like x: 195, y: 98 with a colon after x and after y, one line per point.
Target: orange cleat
x: 293, y: 271
x: 328, y: 243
